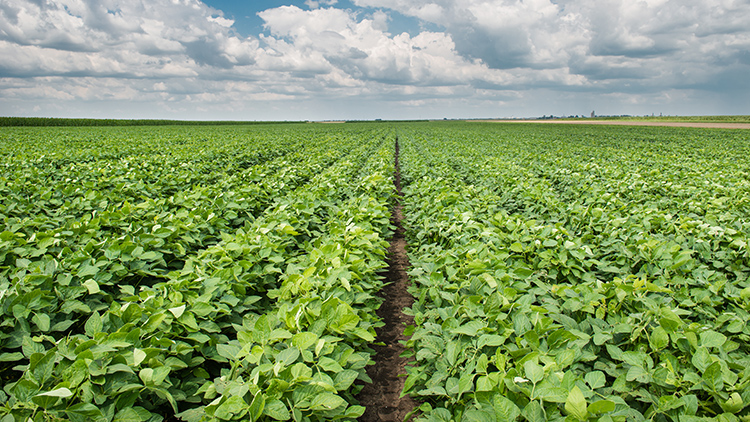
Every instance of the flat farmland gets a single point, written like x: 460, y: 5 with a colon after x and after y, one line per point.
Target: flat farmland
x: 558, y: 272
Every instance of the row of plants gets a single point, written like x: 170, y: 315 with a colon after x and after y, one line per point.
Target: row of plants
x: 192, y: 275
x: 578, y: 273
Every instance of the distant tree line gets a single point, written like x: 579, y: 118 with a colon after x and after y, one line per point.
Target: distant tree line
x: 49, y: 121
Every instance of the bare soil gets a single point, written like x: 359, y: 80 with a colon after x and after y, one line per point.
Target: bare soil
x: 711, y: 125
x: 381, y: 398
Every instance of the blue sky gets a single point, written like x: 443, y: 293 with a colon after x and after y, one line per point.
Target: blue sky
x: 368, y: 59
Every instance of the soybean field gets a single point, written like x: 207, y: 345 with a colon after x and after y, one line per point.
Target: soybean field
x: 216, y: 273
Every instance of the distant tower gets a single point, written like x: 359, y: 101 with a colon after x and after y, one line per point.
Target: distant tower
x: 593, y: 114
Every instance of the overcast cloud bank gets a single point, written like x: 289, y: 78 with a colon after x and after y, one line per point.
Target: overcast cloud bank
x: 318, y: 60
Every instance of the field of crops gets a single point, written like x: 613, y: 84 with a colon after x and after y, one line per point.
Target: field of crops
x: 230, y: 272
x: 579, y: 272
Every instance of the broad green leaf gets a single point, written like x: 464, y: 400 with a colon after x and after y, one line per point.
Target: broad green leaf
x: 637, y: 373
x: 601, y: 406
x: 276, y: 409
x: 129, y: 415
x: 88, y: 410
x: 345, y: 379
x: 476, y: 415
x: 505, y: 410
x: 228, y: 351
x: 41, y: 366
x: 734, y: 404
x: 138, y: 356
x: 712, y: 338
x: 713, y: 377
x: 533, y: 412
x: 92, y: 286
x: 575, y: 405
x: 93, y: 325
x: 470, y: 329
x: 534, y: 372
x: 466, y: 383
x: 595, y: 379
x: 232, y: 408
x: 659, y: 338
x: 304, y: 340
x: 489, y: 280
x: 177, y: 311
x: 701, y: 359
x: 59, y: 392
x: 326, y: 401
x: 491, y: 340
x: 42, y: 321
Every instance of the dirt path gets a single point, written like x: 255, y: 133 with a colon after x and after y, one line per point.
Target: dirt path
x: 381, y: 398
x: 712, y: 125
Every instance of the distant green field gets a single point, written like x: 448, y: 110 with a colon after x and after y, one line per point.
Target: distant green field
x: 704, y: 119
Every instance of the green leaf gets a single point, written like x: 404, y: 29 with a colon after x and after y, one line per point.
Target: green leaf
x: 326, y: 401
x: 232, y: 408
x: 177, y: 311
x: 93, y: 325
x: 345, y: 379
x: 476, y: 415
x: 59, y: 392
x: 595, y: 379
x: 533, y: 412
x: 228, y: 351
x: 489, y: 280
x: 42, y: 321
x: 304, y: 340
x: 290, y: 355
x: 83, y: 409
x: 712, y: 338
x: 466, y: 383
x: 734, y: 404
x: 363, y: 334
x: 41, y: 366
x: 276, y: 409
x: 659, y: 338
x: 534, y: 372
x: 92, y: 286
x: 131, y: 415
x: 138, y: 356
x: 470, y: 329
x: 575, y: 405
x: 146, y: 375
x: 713, y: 377
x: 505, y: 410
x: 701, y: 359
x: 601, y: 406
x: 550, y: 393
x: 491, y: 340
x: 636, y: 373
x: 256, y: 407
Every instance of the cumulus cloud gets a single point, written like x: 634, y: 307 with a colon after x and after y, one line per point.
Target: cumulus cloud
x: 588, y: 37
x: 184, y: 52
x: 138, y: 38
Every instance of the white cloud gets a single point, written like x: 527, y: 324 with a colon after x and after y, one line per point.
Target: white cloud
x: 184, y: 54
x: 314, y: 4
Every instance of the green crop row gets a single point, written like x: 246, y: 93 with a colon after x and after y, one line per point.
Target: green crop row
x: 578, y: 273
x: 219, y: 275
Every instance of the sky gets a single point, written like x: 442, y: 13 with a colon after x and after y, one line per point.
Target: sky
x: 372, y: 59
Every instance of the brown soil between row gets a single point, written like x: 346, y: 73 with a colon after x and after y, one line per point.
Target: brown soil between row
x: 381, y: 398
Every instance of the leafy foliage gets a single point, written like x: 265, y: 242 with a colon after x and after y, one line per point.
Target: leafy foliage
x: 204, y: 273
x: 578, y: 273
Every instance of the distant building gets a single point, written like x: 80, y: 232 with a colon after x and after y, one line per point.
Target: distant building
x: 593, y: 114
